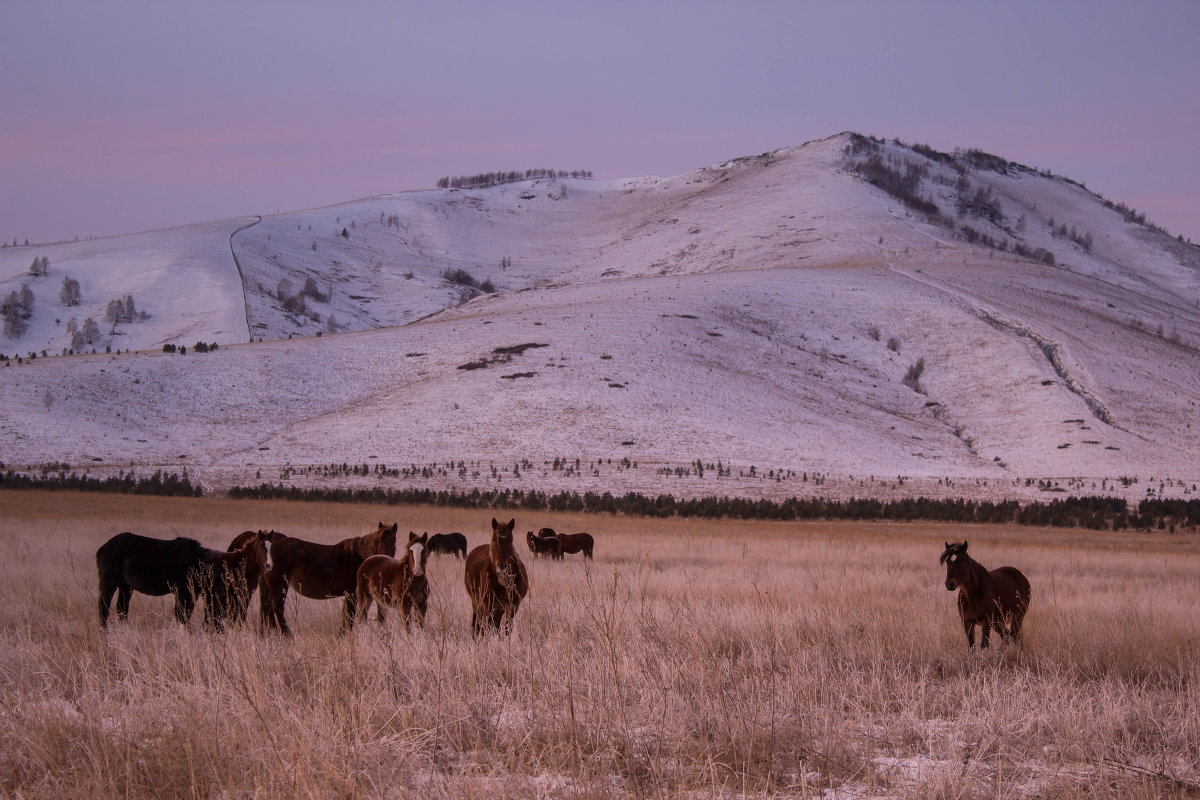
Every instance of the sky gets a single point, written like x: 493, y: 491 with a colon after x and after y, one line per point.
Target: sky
x: 120, y: 116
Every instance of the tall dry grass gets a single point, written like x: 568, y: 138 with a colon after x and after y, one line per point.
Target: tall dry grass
x: 690, y: 659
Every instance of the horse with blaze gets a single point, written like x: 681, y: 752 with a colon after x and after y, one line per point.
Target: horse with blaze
x: 397, y: 582
x: 998, y: 598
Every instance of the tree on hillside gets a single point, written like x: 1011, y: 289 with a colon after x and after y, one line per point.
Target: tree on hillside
x: 26, y: 301
x: 90, y: 331
x: 14, y: 322
x: 39, y: 267
x: 69, y: 293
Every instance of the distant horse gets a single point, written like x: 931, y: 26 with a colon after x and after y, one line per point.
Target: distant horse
x: 496, y: 581
x: 230, y: 578
x: 547, y: 546
x: 574, y: 542
x: 129, y: 562
x: 396, y: 582
x: 451, y: 543
x: 999, y: 597
x: 319, y: 571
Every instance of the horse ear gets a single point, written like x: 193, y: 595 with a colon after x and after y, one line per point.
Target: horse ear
x: 512, y: 523
x: 964, y: 547
x: 495, y: 524
x: 412, y: 537
x: 425, y: 537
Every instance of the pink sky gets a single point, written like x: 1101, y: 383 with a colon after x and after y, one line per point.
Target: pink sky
x: 118, y: 117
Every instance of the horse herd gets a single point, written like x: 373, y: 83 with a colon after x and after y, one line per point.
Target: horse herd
x: 363, y: 570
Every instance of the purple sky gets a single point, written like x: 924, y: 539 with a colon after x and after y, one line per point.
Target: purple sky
x: 121, y: 116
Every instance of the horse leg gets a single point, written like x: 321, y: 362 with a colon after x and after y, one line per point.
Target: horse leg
x: 363, y: 600
x: 107, y: 590
x: 969, y: 629
x: 185, y: 603
x: 349, y: 610
x: 406, y: 611
x: 987, y: 630
x: 124, y: 592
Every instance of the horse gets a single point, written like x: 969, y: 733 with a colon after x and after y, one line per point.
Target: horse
x: 230, y: 577
x: 396, y: 582
x: 574, y: 542
x: 999, y: 597
x: 547, y: 546
x: 156, y: 567
x: 319, y: 571
x: 254, y: 570
x: 496, y: 581
x: 452, y: 543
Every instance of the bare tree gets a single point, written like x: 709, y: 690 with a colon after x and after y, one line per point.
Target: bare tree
x: 90, y: 330
x: 69, y: 293
x: 26, y: 301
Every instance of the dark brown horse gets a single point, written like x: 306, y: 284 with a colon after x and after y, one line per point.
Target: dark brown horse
x: 548, y: 546
x: 230, y: 578
x: 998, y: 598
x: 576, y: 542
x: 128, y: 562
x: 319, y: 571
x: 496, y: 581
x: 451, y: 543
x: 396, y: 582
x: 254, y: 569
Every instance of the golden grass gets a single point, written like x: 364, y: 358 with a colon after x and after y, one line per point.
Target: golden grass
x: 690, y: 659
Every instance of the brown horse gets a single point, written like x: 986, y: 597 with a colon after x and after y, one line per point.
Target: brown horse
x: 575, y: 542
x: 319, y: 571
x: 396, y: 582
x: 254, y: 569
x: 999, y: 597
x: 230, y: 578
x: 547, y: 546
x: 496, y: 581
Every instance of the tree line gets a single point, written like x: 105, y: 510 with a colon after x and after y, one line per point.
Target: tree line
x: 485, y: 179
x: 160, y: 483
x: 1096, y: 513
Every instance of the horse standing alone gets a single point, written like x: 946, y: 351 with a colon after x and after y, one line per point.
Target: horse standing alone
x: 576, y: 542
x: 998, y: 598
x: 496, y: 581
x: 396, y: 582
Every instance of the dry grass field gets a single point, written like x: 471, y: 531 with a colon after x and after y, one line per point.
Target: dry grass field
x: 690, y: 659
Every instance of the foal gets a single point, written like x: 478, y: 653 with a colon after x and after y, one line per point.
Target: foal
x: 547, y: 546
x: 396, y: 582
x: 496, y: 581
x: 999, y: 597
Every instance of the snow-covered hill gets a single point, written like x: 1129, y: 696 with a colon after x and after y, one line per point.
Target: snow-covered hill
x: 786, y: 312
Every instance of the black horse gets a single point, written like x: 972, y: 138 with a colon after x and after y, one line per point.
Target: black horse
x: 151, y: 566
x: 452, y: 543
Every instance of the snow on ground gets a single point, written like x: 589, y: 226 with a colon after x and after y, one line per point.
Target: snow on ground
x: 183, y: 280
x: 766, y: 313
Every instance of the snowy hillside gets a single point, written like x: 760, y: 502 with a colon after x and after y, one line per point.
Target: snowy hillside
x: 835, y: 316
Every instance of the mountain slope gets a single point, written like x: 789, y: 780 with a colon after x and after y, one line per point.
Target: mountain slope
x: 780, y: 312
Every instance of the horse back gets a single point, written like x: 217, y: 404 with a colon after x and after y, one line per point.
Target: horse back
x: 1010, y: 587
x: 476, y: 572
x: 151, y: 566
x: 317, y: 571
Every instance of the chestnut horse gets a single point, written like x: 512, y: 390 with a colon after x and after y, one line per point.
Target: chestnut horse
x: 319, y: 571
x: 230, y: 578
x: 396, y: 582
x: 574, y: 542
x: 547, y: 546
x: 129, y: 562
x: 998, y: 598
x: 496, y: 581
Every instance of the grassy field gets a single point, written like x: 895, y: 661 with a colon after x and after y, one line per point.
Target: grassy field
x: 690, y: 659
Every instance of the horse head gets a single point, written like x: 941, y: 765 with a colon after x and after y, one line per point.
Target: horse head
x: 267, y: 538
x: 418, y: 552
x: 385, y: 540
x: 502, y: 553
x: 956, y: 559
